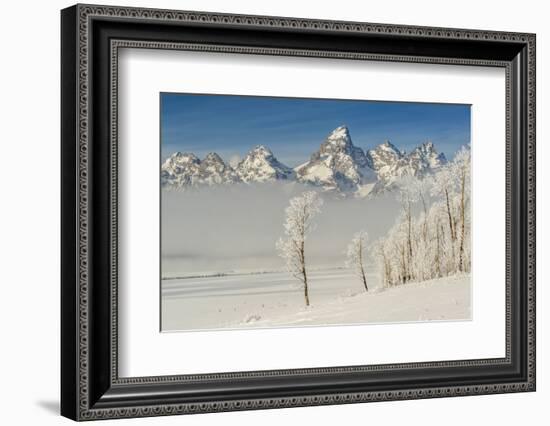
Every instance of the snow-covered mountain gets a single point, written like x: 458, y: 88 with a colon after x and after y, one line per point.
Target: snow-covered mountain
x: 338, y: 165
x: 391, y: 164
x: 425, y: 158
x: 386, y: 160
x: 213, y: 171
x: 260, y: 165
x: 182, y: 170
x: 179, y: 170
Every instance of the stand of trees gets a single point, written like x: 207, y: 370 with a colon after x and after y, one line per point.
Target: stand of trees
x: 420, y: 246
x: 436, y: 242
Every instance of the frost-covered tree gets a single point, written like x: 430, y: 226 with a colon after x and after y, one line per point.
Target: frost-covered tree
x: 435, y: 242
x: 356, y: 254
x: 444, y: 185
x: 421, y: 190
x: 407, y: 196
x: 298, y: 223
x: 411, y: 191
x: 461, y: 169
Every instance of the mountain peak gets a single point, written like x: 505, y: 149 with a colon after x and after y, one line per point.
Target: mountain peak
x: 339, y: 140
x: 261, y: 150
x: 213, y: 166
x: 426, y: 147
x: 384, y: 153
x: 183, y: 157
x: 260, y: 165
x: 338, y: 164
x: 339, y: 133
x: 427, y: 156
x: 388, y: 146
x: 213, y: 157
x: 391, y: 164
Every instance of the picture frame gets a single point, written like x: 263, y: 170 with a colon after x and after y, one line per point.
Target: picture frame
x: 91, y: 37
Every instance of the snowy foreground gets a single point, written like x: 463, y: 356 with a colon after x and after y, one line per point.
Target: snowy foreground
x: 337, y: 297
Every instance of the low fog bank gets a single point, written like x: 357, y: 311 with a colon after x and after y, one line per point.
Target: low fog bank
x: 235, y: 228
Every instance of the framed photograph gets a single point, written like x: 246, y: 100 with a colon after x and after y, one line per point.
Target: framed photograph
x: 263, y: 212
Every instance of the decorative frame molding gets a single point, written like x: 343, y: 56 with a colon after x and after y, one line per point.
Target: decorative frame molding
x: 91, y: 37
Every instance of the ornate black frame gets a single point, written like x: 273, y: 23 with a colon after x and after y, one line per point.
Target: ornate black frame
x: 91, y: 37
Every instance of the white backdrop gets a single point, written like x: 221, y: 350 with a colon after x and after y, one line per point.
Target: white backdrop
x: 29, y: 229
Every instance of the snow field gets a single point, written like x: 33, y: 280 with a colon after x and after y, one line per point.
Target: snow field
x: 337, y: 298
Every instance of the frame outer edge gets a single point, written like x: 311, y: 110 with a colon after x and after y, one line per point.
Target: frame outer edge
x: 83, y: 61
x: 81, y: 366
x: 531, y: 200
x: 69, y: 221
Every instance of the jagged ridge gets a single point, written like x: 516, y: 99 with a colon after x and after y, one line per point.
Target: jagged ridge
x: 338, y: 165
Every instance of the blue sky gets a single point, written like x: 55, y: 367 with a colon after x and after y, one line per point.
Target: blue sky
x: 294, y: 128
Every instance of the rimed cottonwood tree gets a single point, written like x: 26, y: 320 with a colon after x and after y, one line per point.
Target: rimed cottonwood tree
x: 461, y: 172
x: 298, y: 224
x: 436, y: 242
x: 356, y: 254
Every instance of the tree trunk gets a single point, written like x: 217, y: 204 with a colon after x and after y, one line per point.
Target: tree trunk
x: 361, y: 264
x: 463, y: 219
x: 304, y: 273
x: 387, y: 269
x: 425, y: 227
x: 306, y: 292
x: 437, y: 252
x: 364, y: 279
x: 451, y: 227
x: 409, y: 231
x: 403, y: 266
